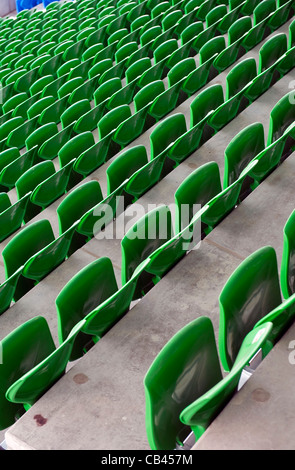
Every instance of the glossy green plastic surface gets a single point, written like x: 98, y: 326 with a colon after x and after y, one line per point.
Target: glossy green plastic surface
x: 251, y: 292
x: 145, y: 236
x: 246, y: 145
x: 22, y: 349
x: 42, y: 375
x: 90, y: 287
x: 200, y: 413
x: 183, y: 370
x: 288, y: 266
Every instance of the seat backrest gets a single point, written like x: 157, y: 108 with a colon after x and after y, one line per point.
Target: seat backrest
x: 180, y: 70
x: 241, y: 150
x: 91, y: 286
x: 166, y: 132
x: 31, y: 239
x: 4, y: 202
x: 185, y: 369
x: 107, y: 89
x: 191, y: 31
x: 239, y: 28
x: 110, y: 121
x: 41, y: 134
x: 239, y: 76
x: 200, y: 413
x: 75, y: 147
x: 213, y: 46
x: 22, y: 349
x: 77, y: 202
x: 32, y: 177
x: 251, y: 292
x: 35, y: 382
x: 206, y: 101
x: 8, y: 156
x: 281, y: 116
x: 147, y: 94
x: 124, y: 165
x: 74, y: 112
x: 197, y: 189
x: 217, y: 13
x: 263, y: 10
x: 165, y: 49
x: 145, y: 236
x: 272, y: 50
x: 288, y: 259
x: 137, y: 68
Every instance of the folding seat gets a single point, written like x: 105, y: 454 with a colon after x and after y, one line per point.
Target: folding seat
x: 281, y: 117
x: 284, y: 11
x: 287, y: 265
x: 34, y: 364
x: 53, y: 88
x: 156, y: 72
x: 39, y: 84
x: 144, y: 237
x: 73, y: 149
x: 41, y: 134
x: 67, y: 67
x: 76, y: 203
x: 54, y: 111
x: 241, y: 77
x: 21, y: 107
x: 137, y: 69
x: 9, y: 126
x: 36, y: 250
x: 250, y: 293
x: 184, y: 387
x: 245, y: 146
x: 13, y: 165
x: 45, y: 184
x: 214, y: 46
x: 106, y: 147
x: 71, y: 114
x: 216, y: 14
x: 269, y: 53
x: 11, y: 218
x: 84, y: 91
x: 227, y: 110
x: 89, y: 288
x: 123, y: 166
x: 261, y: 15
x: 138, y: 122
x: 123, y: 96
x: 201, y: 108
x: 233, y: 14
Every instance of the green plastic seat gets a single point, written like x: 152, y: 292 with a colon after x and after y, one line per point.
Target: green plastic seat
x: 72, y: 150
x: 90, y: 287
x: 45, y: 183
x: 201, y: 109
x: 269, y: 55
x: 12, y: 215
x: 13, y: 165
x: 36, y: 250
x: 106, y: 147
x: 53, y: 112
x: 141, y: 120
x: 239, y: 78
x: 41, y: 134
x: 186, y: 369
x: 281, y: 117
x: 261, y: 15
x: 17, y: 137
x: 251, y: 292
x: 123, y: 166
x: 72, y: 208
x: 245, y: 146
x: 74, y: 112
x: 144, y: 237
x: 49, y: 149
x: 283, y: 12
x: 287, y: 265
x: 34, y: 365
x: 199, y: 414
